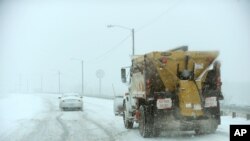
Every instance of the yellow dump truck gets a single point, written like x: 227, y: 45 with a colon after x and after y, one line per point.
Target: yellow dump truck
x: 173, y: 90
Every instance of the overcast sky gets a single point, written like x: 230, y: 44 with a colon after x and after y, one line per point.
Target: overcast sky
x: 39, y: 38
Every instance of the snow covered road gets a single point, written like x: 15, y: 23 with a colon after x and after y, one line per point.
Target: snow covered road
x: 36, y: 117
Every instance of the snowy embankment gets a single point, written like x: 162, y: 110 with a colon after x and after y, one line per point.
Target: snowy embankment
x: 29, y: 117
x: 15, y: 108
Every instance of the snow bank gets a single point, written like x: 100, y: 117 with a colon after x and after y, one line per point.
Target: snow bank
x: 226, y: 121
x: 17, y: 107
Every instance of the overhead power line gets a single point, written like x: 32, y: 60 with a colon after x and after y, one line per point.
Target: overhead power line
x: 158, y: 17
x: 101, y: 56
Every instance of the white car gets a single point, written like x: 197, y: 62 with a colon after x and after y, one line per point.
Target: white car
x: 71, y: 102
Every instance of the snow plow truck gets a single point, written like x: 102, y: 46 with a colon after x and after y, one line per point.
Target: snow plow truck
x: 172, y: 90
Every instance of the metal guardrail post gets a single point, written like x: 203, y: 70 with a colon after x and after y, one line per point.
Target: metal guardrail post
x: 248, y: 116
x: 233, y: 114
x: 221, y: 113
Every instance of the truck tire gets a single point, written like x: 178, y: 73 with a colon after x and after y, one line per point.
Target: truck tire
x: 128, y: 124
x: 156, y: 132
x: 144, y: 125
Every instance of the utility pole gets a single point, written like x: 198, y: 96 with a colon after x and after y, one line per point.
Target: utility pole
x: 59, y: 85
x: 27, y: 85
x: 82, y: 63
x: 41, y: 83
x: 20, y: 82
x: 100, y: 86
x: 82, y: 79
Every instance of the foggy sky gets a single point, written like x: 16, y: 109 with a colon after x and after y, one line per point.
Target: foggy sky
x: 39, y: 38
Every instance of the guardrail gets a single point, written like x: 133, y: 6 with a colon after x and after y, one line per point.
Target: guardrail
x: 100, y: 96
x: 236, y: 111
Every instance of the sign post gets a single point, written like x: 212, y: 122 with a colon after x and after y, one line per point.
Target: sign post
x: 100, y: 75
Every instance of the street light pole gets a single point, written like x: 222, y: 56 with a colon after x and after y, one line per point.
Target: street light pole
x: 133, y: 41
x: 82, y: 79
x: 59, y: 85
x: 132, y: 32
x: 41, y: 83
x: 82, y: 63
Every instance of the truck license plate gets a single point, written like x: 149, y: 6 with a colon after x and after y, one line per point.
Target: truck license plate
x: 164, y: 103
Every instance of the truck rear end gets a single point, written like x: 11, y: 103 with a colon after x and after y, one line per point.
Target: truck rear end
x: 174, y: 90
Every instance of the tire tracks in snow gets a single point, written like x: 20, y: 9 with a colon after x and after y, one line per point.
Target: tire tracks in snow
x: 45, y: 125
x: 65, y: 133
x: 105, y: 130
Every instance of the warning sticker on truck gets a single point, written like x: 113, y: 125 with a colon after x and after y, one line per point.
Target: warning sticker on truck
x: 164, y: 103
x: 198, y: 66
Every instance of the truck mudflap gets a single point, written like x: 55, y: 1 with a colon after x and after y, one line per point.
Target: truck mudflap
x: 165, y: 100
x: 164, y: 103
x: 206, y: 126
x: 211, y: 104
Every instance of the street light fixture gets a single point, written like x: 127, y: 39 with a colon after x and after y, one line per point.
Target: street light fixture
x: 82, y: 73
x: 132, y: 32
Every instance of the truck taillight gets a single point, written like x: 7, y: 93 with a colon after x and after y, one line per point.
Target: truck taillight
x: 164, y: 60
x: 148, y: 83
x: 137, y: 115
x: 218, y: 83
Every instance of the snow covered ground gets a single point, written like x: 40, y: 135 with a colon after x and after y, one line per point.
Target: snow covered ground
x: 36, y: 117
